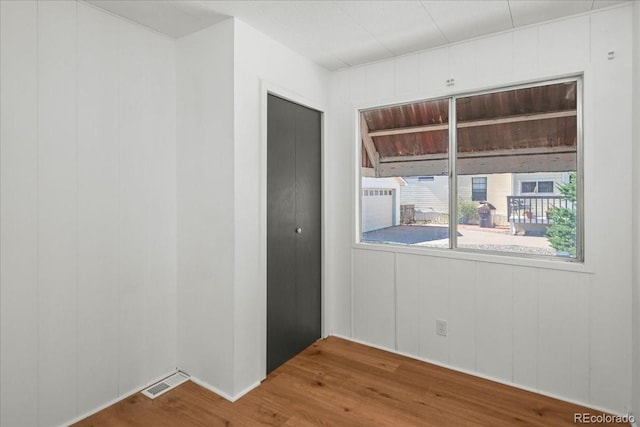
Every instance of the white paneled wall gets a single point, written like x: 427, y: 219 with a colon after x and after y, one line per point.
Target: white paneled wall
x: 19, y: 214
x: 147, y: 200
x: 408, y: 322
x: 494, y: 319
x: 422, y: 298
x: 564, y: 332
x: 205, y: 199
x: 636, y: 219
x: 462, y: 314
x: 609, y: 99
x: 525, y: 327
x: 98, y: 207
x: 338, y: 208
x: 57, y: 210
x: 434, y: 305
x: 374, y: 305
x: 88, y: 231
x: 563, y: 340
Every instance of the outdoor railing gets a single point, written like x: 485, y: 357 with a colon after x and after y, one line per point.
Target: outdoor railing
x: 534, y: 209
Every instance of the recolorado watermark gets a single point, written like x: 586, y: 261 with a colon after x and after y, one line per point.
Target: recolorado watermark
x: 602, y: 418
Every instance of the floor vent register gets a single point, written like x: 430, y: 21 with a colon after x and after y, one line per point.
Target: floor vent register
x: 165, y: 385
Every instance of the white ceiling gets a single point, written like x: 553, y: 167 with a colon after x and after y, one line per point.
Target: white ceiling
x: 338, y: 34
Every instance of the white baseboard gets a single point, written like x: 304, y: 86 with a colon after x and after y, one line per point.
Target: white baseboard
x: 117, y: 399
x: 486, y: 377
x: 223, y: 394
x: 158, y: 379
x: 246, y: 390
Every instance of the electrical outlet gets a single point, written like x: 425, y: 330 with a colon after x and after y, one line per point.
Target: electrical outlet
x: 441, y: 327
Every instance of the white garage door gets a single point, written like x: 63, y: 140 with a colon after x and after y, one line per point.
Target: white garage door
x: 377, y: 209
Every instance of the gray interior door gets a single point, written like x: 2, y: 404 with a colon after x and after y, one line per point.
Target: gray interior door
x: 293, y: 229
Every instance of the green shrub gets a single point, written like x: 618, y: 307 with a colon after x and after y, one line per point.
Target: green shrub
x: 467, y: 212
x: 562, y: 233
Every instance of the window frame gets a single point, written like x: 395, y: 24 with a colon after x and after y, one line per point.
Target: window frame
x: 453, y: 251
x: 536, y: 186
x: 553, y: 187
x: 485, y: 183
x: 527, y: 183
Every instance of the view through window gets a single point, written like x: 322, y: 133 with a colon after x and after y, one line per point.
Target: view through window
x: 514, y: 182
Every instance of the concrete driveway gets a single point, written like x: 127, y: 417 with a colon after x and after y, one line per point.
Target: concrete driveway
x: 469, y: 236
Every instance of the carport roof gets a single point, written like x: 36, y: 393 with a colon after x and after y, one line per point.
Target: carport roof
x: 504, y: 131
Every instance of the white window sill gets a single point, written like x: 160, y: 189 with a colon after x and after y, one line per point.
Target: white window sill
x: 520, y: 260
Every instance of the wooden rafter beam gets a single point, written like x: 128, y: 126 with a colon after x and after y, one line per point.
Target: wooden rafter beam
x: 485, y: 153
x: 367, y: 172
x: 475, y: 123
x: 367, y: 141
x: 523, y: 163
x: 518, y: 118
x: 404, y: 131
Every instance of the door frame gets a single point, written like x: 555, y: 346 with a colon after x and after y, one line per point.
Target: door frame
x: 269, y: 88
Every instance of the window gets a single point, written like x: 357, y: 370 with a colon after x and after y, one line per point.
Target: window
x: 545, y: 186
x: 536, y: 187
x: 478, y: 189
x: 496, y: 171
x: 528, y: 187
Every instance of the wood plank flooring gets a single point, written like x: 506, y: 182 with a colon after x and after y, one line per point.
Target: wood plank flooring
x: 340, y: 383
